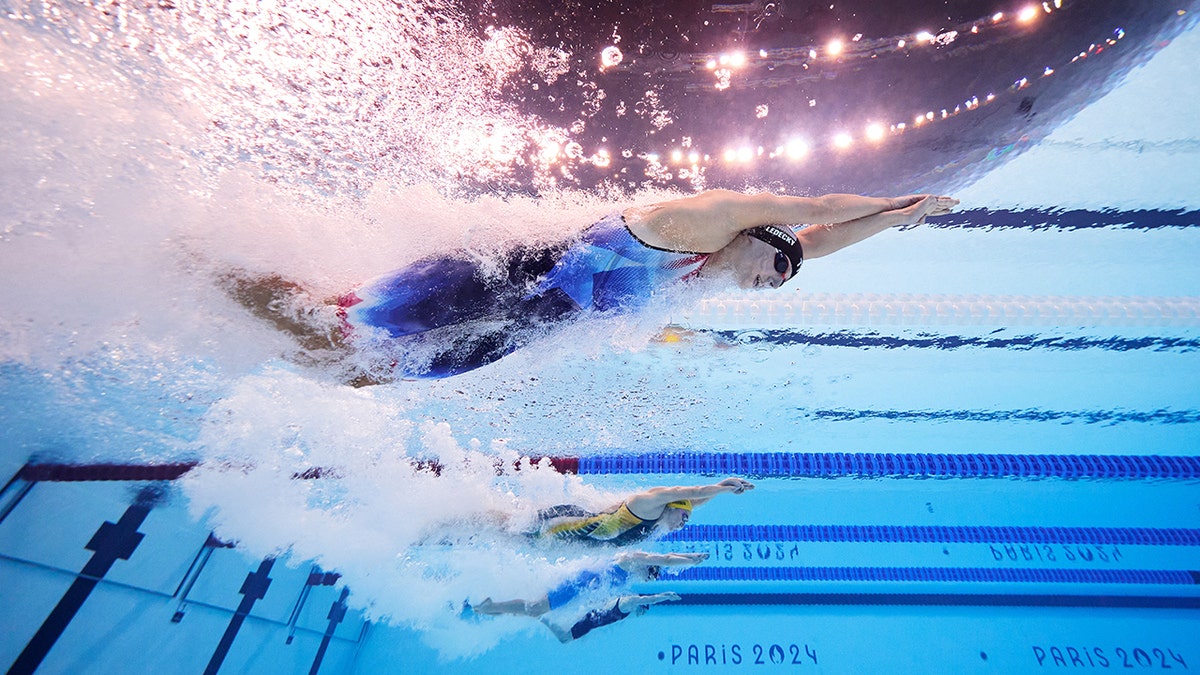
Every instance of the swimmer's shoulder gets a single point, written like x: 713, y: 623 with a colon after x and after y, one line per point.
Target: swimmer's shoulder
x: 699, y: 223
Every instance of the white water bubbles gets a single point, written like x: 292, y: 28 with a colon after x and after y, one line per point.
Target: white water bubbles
x: 410, y: 540
x: 326, y: 97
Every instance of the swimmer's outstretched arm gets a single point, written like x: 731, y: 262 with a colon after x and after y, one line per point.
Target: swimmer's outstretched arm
x: 630, y: 560
x: 650, y: 504
x: 628, y: 603
x: 710, y: 220
x: 821, y: 240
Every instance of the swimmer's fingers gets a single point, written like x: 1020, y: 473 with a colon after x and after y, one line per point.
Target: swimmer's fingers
x: 906, y: 201
x: 943, y: 205
x: 737, y: 485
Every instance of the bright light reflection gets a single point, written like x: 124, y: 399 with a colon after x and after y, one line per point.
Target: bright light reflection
x: 796, y: 149
x: 610, y: 56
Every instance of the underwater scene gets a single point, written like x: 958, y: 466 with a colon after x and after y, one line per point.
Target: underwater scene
x: 599, y: 337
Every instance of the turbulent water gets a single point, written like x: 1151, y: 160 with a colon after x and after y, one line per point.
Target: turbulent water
x: 148, y: 148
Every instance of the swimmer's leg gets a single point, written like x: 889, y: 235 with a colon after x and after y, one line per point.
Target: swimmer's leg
x: 432, y: 294
x: 519, y: 607
x: 475, y: 343
x: 287, y: 306
x: 490, y: 523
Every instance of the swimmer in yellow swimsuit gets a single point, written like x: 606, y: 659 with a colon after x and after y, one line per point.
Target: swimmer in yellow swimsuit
x: 635, y: 519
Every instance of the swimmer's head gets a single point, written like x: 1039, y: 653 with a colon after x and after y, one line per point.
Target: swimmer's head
x: 789, y: 255
x: 685, y: 504
x: 762, y: 257
x: 676, y: 514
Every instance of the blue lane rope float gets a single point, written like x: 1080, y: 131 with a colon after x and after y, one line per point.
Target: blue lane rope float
x: 941, y: 534
x: 880, y: 465
x: 939, y: 600
x: 760, y: 464
x: 901, y: 309
x: 1104, y: 417
x: 1069, y: 219
x: 940, y: 574
x: 911, y: 339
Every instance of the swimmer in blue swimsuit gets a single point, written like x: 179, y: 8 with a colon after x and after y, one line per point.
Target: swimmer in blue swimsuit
x: 447, y: 315
x: 626, y: 568
x: 621, y: 609
x: 470, y: 319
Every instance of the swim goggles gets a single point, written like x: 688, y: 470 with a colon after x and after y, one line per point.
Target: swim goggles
x: 787, y: 247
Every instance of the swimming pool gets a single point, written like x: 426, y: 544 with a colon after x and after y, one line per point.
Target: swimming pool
x: 973, y: 441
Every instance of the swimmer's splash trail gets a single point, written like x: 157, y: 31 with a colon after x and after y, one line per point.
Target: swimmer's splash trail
x: 151, y: 144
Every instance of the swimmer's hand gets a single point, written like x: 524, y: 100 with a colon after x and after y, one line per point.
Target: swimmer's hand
x: 644, y: 601
x: 736, y: 485
x: 943, y: 205
x: 687, y: 559
x: 927, y: 205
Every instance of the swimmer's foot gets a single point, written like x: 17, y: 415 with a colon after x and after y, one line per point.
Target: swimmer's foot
x: 475, y: 613
x: 287, y: 306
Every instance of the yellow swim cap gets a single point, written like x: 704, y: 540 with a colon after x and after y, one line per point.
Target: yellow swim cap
x: 685, y: 504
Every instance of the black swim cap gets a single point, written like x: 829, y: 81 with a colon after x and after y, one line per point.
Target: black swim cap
x: 782, y: 239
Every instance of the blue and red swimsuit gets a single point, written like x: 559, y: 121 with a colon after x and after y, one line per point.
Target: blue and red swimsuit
x: 464, y: 316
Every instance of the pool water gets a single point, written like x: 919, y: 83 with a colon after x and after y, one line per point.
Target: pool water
x: 973, y: 442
